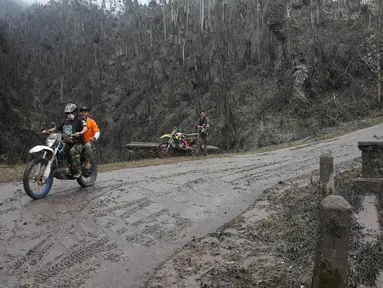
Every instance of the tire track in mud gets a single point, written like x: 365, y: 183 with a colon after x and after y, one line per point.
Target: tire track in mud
x: 28, y: 264
x: 142, y: 202
x: 61, y: 264
x: 8, y: 210
x: 263, y: 172
x: 151, y: 228
x: 33, y: 256
x: 78, y: 256
x: 47, y: 275
x: 73, y: 279
x: 145, y: 202
x: 148, y: 229
x: 162, y: 234
x: 139, y: 239
x: 171, y: 176
x: 260, y: 173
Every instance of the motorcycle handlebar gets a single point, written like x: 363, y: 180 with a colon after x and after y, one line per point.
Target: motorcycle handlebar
x: 48, y: 133
x: 70, y: 135
x: 203, y: 126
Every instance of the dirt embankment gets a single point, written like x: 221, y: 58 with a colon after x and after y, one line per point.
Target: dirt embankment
x: 272, y: 244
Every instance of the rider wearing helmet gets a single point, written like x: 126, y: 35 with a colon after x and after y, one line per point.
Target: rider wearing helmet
x: 74, y: 128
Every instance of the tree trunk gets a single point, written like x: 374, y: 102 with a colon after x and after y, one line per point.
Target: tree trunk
x: 369, y: 21
x: 183, y: 52
x: 163, y: 14
x: 379, y: 46
x: 258, y: 30
x: 208, y: 14
x: 95, y: 54
x: 288, y: 9
x: 172, y: 10
x: 288, y: 33
x: 136, y: 48
x: 176, y: 14
x: 262, y: 121
x: 61, y: 88
x: 319, y: 12
x: 187, y: 15
x: 378, y: 64
x: 312, y: 16
x: 202, y: 13
x: 75, y: 32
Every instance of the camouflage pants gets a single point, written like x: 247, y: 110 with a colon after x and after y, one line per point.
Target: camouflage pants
x: 75, y: 154
x: 88, y: 150
x: 202, y: 144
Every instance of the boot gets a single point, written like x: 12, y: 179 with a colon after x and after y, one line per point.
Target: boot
x: 77, y: 174
x: 87, y: 164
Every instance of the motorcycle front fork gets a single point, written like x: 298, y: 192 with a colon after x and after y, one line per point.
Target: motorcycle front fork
x: 185, y: 144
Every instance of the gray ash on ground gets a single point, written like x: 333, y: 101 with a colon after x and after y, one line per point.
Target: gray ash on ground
x: 272, y: 244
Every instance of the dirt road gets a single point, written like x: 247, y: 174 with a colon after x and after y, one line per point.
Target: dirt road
x: 116, y: 233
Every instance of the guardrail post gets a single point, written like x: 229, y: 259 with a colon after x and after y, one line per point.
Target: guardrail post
x: 333, y: 241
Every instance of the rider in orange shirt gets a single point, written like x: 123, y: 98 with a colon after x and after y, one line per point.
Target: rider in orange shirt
x: 90, y: 136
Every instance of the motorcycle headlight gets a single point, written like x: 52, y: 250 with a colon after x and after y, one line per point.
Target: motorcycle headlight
x: 50, y: 142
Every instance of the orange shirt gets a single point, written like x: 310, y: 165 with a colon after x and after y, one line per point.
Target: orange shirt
x: 92, y: 129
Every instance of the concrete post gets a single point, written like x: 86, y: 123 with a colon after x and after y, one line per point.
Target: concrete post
x: 326, y: 164
x: 372, y: 158
x: 334, y: 233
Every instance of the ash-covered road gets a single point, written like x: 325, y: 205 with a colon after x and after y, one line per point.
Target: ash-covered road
x: 116, y: 233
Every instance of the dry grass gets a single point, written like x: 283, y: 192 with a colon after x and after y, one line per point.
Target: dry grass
x: 14, y: 173
x: 331, y: 133
x: 11, y: 173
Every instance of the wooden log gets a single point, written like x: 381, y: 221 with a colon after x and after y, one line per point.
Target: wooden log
x: 154, y: 146
x: 142, y: 145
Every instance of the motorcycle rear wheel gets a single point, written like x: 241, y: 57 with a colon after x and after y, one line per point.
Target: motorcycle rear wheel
x: 26, y: 179
x: 165, y: 150
x: 91, y: 179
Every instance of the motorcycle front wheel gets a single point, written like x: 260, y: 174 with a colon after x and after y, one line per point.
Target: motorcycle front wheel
x: 34, y: 173
x: 165, y: 150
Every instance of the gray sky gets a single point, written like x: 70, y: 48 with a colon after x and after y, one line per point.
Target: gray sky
x: 46, y: 1
x: 32, y: 1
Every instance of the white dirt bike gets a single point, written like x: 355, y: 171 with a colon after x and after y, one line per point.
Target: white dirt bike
x: 50, y: 161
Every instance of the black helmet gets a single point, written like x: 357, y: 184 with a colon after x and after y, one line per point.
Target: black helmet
x: 84, y: 108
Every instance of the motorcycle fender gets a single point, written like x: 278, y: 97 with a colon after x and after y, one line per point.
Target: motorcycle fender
x: 40, y: 148
x: 166, y: 136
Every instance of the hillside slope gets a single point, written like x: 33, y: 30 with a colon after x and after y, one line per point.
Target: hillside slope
x: 266, y: 71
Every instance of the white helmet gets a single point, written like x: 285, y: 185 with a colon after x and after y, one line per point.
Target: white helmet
x: 70, y: 108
